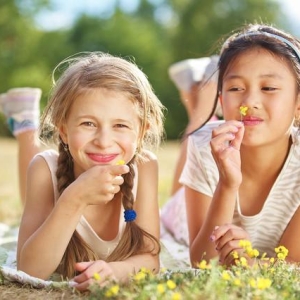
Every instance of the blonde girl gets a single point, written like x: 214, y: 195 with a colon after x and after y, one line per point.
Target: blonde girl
x: 92, y: 208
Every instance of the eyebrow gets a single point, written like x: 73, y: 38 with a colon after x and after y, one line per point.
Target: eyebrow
x: 271, y: 75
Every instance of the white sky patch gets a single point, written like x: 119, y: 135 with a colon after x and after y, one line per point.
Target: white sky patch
x: 65, y: 12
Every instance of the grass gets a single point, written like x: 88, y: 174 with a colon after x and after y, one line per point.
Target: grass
x: 268, y: 279
x: 11, y: 208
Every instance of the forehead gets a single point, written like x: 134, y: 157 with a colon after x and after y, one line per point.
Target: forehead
x: 260, y: 59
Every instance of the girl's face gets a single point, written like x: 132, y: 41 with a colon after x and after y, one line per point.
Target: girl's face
x: 102, y: 128
x: 267, y: 86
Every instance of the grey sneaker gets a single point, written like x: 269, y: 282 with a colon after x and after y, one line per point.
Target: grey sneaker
x: 186, y: 72
x: 21, y: 106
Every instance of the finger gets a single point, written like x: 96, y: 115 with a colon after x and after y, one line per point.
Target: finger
x: 118, y: 180
x: 232, y: 233
x: 119, y: 169
x: 81, y: 266
x: 237, y: 141
x: 228, y: 249
x: 219, y: 231
x: 229, y: 126
x: 87, y: 269
x: 83, y: 286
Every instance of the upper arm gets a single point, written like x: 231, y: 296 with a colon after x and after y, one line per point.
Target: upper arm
x: 39, y: 199
x: 197, y: 205
x: 290, y: 238
x: 146, y: 203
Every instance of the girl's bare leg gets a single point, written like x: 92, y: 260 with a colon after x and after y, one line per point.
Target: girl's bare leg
x: 21, y: 108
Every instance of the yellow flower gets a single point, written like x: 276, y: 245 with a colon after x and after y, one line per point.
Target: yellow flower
x: 171, y: 284
x: 161, y: 288
x: 252, y: 252
x: 237, y: 282
x: 176, y: 296
x: 235, y: 255
x: 113, y: 291
x: 139, y: 276
x: 244, y: 262
x: 203, y: 265
x: 243, y: 110
x: 121, y: 162
x: 226, y: 276
x: 263, y: 283
x: 260, y: 283
x: 96, y: 276
x: 282, y: 252
x: 245, y: 244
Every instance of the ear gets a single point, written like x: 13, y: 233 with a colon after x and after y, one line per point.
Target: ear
x: 220, y: 99
x: 63, y: 133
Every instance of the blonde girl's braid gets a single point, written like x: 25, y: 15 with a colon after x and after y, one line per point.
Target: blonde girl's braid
x: 133, y: 239
x: 77, y: 249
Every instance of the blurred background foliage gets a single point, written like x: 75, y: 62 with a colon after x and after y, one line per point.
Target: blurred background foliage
x: 156, y: 34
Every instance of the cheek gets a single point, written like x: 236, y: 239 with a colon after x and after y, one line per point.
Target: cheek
x: 77, y: 140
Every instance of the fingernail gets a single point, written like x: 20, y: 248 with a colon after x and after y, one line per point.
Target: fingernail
x: 216, y: 227
x: 212, y: 238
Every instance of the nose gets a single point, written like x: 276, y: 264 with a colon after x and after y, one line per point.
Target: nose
x: 103, y: 138
x: 251, y: 99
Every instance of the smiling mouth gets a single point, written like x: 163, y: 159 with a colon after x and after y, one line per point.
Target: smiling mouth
x: 102, y: 158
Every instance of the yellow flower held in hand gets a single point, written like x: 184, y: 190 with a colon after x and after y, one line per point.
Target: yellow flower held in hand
x: 120, y: 162
x: 243, y: 110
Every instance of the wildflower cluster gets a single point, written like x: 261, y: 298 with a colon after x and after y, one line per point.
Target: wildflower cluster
x: 265, y: 279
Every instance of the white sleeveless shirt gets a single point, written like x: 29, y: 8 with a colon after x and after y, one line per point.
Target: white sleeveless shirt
x: 101, y: 247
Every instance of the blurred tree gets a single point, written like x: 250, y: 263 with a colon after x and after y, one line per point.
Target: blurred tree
x: 155, y: 35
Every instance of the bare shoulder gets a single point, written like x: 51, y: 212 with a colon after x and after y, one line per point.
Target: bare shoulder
x: 39, y: 181
x: 147, y: 157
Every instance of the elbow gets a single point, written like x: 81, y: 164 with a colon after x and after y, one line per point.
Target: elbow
x: 31, y: 269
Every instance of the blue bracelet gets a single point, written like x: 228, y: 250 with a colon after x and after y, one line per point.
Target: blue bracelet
x: 129, y: 215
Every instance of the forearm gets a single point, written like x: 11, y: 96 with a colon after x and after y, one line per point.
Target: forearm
x: 220, y: 212
x: 42, y: 252
x: 123, y: 269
